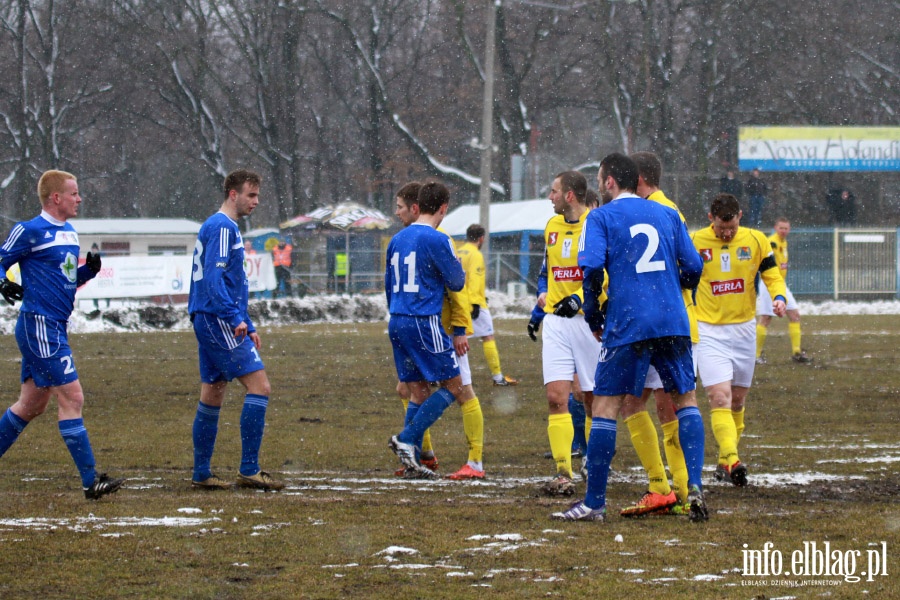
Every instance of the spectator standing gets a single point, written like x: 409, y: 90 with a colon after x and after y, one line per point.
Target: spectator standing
x: 842, y: 205
x: 281, y: 258
x: 757, y: 190
x: 729, y: 184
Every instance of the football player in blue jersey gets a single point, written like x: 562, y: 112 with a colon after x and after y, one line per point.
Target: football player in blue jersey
x: 46, y: 250
x: 227, y: 340
x: 421, y: 262
x: 649, y: 257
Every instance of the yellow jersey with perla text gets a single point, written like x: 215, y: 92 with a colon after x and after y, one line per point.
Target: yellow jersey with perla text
x: 780, y: 250
x: 727, y: 293
x: 564, y: 276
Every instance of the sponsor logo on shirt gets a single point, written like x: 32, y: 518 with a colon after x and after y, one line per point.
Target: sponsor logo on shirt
x: 567, y: 274
x: 706, y: 254
x: 743, y: 253
x: 551, y: 239
x: 731, y: 286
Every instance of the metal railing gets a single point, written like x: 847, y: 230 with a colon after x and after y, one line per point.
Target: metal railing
x: 838, y: 263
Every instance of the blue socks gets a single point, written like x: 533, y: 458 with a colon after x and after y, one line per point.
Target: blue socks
x: 692, y: 438
x: 601, y: 448
x: 76, y: 438
x: 206, y: 426
x: 11, y: 425
x: 253, y: 422
x: 411, y: 411
x: 425, y: 416
x: 576, y: 409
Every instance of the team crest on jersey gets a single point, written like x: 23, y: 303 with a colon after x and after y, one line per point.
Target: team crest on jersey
x: 706, y: 253
x: 551, y: 239
x: 743, y: 253
x: 69, y: 267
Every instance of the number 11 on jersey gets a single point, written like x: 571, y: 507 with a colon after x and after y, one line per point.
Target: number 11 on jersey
x: 409, y: 261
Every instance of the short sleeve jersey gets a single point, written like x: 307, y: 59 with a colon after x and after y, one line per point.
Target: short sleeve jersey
x: 421, y: 262
x: 473, y: 264
x: 780, y: 251
x: 219, y: 284
x: 564, y: 276
x: 47, y: 253
x: 644, y: 248
x: 726, y: 293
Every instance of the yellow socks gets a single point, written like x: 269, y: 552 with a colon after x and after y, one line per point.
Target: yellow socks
x: 561, y: 433
x: 646, y: 444
x: 761, y: 332
x: 725, y: 433
x: 492, y: 356
x: 675, y: 459
x: 738, y: 416
x: 473, y: 426
x: 794, y: 333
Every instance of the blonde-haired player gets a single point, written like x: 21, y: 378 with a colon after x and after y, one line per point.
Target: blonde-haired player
x: 726, y: 312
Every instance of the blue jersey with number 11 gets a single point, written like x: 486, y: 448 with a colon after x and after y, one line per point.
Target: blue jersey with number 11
x: 420, y: 264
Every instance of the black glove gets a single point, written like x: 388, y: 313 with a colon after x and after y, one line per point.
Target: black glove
x: 567, y: 307
x: 476, y: 310
x: 533, y: 327
x: 537, y: 315
x: 11, y: 291
x: 93, y: 262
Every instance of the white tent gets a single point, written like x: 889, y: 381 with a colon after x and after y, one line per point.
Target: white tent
x: 526, y: 216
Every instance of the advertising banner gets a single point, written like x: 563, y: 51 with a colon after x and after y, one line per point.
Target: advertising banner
x: 819, y: 148
x: 146, y: 276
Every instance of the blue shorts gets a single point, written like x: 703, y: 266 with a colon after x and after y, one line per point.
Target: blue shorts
x: 223, y: 357
x: 623, y: 369
x: 46, y: 356
x: 422, y: 349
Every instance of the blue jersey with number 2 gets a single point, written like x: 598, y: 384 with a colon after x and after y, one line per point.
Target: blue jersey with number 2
x: 646, y: 250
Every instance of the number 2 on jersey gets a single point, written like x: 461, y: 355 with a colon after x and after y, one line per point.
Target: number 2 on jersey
x: 409, y: 262
x: 644, y: 264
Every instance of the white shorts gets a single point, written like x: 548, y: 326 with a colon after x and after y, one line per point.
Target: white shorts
x: 654, y: 382
x: 727, y: 353
x: 764, y: 301
x: 484, y: 324
x: 465, y: 371
x: 569, y: 348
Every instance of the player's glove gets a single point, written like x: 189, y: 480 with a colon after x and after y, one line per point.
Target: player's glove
x: 567, y: 307
x: 11, y: 291
x: 476, y: 310
x: 93, y: 262
x: 537, y: 315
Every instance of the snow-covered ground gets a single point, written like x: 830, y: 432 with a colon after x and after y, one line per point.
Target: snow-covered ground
x: 138, y: 316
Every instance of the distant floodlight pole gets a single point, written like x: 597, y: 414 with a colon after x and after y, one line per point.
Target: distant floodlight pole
x: 487, y: 128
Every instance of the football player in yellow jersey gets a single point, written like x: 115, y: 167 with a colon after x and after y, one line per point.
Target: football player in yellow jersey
x: 726, y: 311
x: 483, y: 325
x: 764, y: 314
x: 455, y: 317
x: 660, y: 498
x: 568, y: 344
